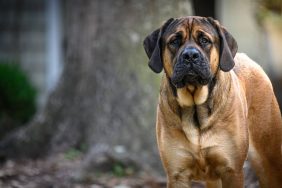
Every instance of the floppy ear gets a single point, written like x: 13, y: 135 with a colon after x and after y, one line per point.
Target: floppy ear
x: 152, y: 45
x: 228, y: 47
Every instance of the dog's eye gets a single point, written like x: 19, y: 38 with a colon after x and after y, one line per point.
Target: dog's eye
x: 204, y: 40
x: 175, y: 42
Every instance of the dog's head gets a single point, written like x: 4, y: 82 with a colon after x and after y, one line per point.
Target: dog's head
x: 190, y: 50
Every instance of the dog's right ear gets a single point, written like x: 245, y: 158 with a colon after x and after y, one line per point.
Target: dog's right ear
x: 152, y: 45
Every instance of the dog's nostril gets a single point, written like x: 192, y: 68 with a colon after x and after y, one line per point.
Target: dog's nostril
x: 190, y: 54
x: 195, y: 56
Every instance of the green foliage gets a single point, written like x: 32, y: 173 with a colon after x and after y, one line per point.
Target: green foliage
x: 274, y: 6
x: 269, y: 11
x: 118, y: 170
x: 121, y: 170
x: 72, y: 154
x: 17, y: 97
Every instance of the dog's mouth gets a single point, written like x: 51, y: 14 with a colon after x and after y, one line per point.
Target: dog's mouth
x: 193, y: 74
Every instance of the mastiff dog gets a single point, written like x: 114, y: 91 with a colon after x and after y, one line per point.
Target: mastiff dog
x: 216, y: 107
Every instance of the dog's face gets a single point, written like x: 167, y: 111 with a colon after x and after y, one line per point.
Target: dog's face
x: 190, y: 49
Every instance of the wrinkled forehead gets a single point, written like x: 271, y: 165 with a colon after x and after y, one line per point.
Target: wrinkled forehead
x: 191, y: 24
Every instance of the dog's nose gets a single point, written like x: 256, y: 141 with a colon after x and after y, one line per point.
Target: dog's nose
x: 190, y: 55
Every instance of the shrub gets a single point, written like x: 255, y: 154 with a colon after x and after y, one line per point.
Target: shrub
x: 17, y: 97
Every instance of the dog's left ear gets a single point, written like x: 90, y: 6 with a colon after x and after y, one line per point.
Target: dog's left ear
x: 152, y: 45
x: 228, y: 47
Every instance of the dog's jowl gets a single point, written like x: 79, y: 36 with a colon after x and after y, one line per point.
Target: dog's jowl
x: 216, y: 107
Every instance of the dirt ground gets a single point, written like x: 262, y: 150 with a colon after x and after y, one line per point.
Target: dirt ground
x: 62, y: 171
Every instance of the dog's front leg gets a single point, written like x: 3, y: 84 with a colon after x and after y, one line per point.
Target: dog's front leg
x: 214, y: 184
x: 172, y: 183
x: 233, y: 179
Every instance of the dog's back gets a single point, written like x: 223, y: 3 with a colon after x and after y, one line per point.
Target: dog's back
x: 264, y: 146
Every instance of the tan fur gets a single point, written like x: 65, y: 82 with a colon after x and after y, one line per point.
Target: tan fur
x: 189, y: 96
x: 214, y: 59
x: 201, y: 94
x: 167, y: 63
x: 245, y: 120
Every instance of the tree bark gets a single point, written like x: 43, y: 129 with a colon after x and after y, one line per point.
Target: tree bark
x: 106, y: 97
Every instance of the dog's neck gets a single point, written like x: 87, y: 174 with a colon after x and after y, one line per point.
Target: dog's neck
x: 192, y: 95
x: 199, y: 103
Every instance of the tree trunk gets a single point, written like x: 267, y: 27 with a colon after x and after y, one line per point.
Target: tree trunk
x: 106, y: 98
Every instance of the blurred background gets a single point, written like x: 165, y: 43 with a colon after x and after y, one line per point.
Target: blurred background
x: 77, y: 100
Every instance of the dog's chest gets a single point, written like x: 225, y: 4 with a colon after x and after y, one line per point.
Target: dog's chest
x: 204, y: 148
x: 197, y: 127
